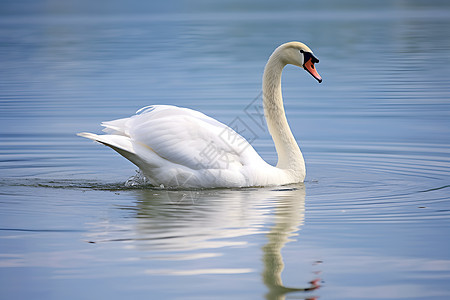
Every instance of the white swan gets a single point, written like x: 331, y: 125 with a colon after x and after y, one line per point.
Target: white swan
x: 180, y: 147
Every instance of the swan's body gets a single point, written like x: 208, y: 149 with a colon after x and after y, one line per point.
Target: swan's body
x: 180, y: 147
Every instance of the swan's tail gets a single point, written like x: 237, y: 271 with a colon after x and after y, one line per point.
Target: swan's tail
x: 143, y: 157
x: 117, y: 142
x: 121, y: 144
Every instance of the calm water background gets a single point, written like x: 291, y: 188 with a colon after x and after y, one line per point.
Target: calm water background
x: 372, y: 220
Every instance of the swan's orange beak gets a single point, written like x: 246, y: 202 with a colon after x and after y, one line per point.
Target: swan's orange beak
x: 309, y: 66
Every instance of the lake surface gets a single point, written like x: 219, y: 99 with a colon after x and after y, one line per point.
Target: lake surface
x: 371, y: 221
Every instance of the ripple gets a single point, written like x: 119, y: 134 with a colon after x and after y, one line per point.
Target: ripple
x: 395, y: 182
x: 227, y: 271
x: 380, y: 182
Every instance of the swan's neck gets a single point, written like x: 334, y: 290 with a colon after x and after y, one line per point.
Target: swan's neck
x: 289, y: 155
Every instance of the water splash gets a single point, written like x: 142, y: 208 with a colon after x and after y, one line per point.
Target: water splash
x: 137, y: 180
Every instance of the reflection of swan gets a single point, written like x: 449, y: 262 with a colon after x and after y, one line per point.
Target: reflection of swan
x: 202, y: 220
x: 289, y: 216
x: 184, y: 148
x: 200, y: 232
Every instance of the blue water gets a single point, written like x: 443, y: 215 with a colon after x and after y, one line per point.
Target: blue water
x: 371, y: 221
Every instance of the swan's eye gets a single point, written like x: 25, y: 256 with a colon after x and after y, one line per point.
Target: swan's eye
x: 309, y: 56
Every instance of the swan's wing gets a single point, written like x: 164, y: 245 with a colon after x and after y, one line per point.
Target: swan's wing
x: 185, y: 137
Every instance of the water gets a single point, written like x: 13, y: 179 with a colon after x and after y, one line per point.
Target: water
x: 370, y: 222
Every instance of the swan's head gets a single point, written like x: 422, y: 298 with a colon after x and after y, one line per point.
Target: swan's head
x: 298, y: 54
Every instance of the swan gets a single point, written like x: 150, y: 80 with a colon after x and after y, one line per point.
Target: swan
x: 182, y: 148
